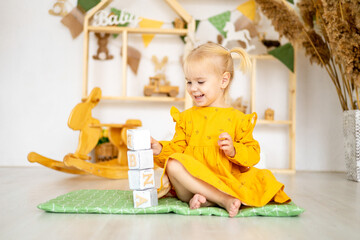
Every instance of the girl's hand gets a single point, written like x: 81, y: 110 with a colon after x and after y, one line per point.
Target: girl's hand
x: 155, y: 146
x: 226, y: 144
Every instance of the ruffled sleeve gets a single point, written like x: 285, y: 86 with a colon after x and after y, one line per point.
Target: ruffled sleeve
x: 178, y: 143
x: 247, y: 149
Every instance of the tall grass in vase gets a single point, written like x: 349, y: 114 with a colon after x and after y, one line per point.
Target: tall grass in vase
x: 329, y: 31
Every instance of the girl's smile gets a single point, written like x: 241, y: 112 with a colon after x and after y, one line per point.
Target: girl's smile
x: 205, y: 86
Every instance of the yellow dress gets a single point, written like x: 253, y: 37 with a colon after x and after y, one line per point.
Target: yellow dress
x: 195, y: 146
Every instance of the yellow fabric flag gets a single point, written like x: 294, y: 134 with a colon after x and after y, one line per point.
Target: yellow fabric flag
x: 149, y: 23
x: 248, y: 9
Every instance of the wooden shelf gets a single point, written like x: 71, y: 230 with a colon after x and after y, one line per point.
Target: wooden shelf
x: 253, y: 56
x: 114, y: 29
x: 289, y: 171
x: 292, y: 108
x: 142, y: 99
x: 262, y: 56
x: 275, y: 122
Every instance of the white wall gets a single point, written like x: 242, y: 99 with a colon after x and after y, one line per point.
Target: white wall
x: 41, y: 74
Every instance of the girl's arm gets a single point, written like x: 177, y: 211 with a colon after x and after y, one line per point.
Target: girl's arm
x: 247, y: 150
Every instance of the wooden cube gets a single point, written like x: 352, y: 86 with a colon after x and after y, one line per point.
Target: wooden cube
x: 145, y: 198
x: 141, y: 159
x: 138, y: 139
x: 141, y: 179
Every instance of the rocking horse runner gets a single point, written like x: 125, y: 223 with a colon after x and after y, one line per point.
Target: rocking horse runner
x: 90, y: 132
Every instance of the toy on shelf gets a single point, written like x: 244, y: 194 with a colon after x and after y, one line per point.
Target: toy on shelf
x: 102, y: 47
x: 269, y: 114
x: 242, y: 35
x: 240, y: 105
x: 90, y: 132
x: 179, y: 24
x: 158, y: 83
x: 141, y: 172
x: 269, y: 44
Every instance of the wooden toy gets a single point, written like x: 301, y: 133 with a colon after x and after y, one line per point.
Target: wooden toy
x: 90, y: 131
x: 140, y: 159
x: 141, y: 179
x: 102, y: 47
x: 156, y: 87
x: 141, y: 173
x: 179, y: 24
x: 269, y: 114
x: 158, y: 83
x: 238, y: 104
x: 242, y: 35
x: 145, y: 198
x: 138, y: 139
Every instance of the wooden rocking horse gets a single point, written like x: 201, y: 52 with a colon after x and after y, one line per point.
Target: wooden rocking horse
x: 90, y: 132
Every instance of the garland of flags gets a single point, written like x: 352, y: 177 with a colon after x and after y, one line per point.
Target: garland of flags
x: 248, y: 9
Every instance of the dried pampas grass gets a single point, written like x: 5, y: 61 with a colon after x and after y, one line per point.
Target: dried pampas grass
x: 329, y: 31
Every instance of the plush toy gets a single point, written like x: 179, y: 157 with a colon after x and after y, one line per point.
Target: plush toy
x: 102, y: 47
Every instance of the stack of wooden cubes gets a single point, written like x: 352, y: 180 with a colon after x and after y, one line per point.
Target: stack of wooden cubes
x: 141, y: 168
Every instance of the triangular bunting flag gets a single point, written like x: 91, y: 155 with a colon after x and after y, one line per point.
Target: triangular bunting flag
x: 248, y: 9
x: 219, y: 21
x: 285, y: 54
x: 133, y: 58
x: 148, y: 23
x: 86, y: 5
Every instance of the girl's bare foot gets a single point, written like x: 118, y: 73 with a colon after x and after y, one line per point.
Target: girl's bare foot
x: 233, y: 206
x: 196, y: 201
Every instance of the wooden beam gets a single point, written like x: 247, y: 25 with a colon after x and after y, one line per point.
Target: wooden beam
x: 124, y: 63
x: 292, y: 115
x: 179, y: 10
x: 101, y: 5
x: 112, y: 29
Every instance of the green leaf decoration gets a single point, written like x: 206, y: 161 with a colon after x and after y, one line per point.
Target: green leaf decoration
x: 285, y: 54
x: 290, y: 1
x: 219, y: 21
x: 86, y: 5
x: 117, y: 12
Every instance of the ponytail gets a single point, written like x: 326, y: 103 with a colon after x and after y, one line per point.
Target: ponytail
x: 245, y: 61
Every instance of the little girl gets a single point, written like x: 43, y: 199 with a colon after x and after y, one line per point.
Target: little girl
x: 210, y: 159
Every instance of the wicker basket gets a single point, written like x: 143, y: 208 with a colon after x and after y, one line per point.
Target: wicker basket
x: 351, y: 125
x: 105, y: 152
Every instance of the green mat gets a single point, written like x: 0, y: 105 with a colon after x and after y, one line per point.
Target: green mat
x: 120, y: 202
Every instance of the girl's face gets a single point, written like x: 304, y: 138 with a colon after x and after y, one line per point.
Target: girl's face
x: 205, y: 85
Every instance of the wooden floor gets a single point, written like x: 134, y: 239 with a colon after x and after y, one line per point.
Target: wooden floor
x: 332, y: 206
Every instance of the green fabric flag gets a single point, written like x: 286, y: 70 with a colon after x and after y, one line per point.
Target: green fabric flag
x: 285, y: 54
x: 121, y: 202
x: 86, y: 5
x: 219, y: 21
x: 117, y: 12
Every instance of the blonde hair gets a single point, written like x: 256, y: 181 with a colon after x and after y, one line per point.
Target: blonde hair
x: 219, y: 56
